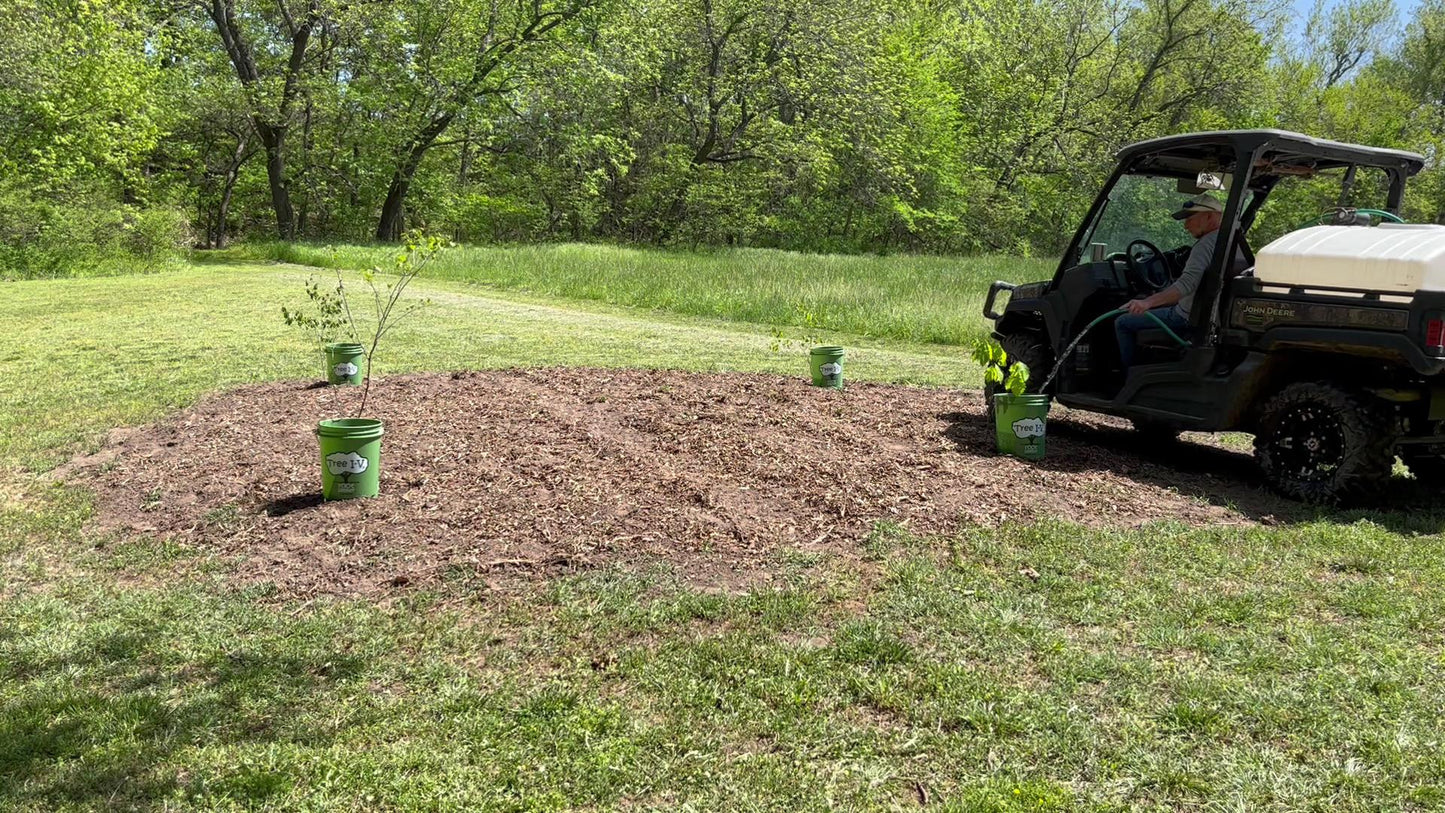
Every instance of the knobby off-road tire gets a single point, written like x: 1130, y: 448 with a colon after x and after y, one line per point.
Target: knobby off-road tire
x: 1320, y: 443
x: 1030, y: 349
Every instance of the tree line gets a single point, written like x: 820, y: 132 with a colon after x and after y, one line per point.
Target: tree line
x: 834, y: 125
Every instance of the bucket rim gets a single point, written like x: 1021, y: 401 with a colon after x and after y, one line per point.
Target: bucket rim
x: 350, y: 428
x: 1026, y: 399
x: 349, y: 347
x: 826, y: 350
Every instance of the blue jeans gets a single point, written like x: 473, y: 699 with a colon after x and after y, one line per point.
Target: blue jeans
x: 1128, y: 325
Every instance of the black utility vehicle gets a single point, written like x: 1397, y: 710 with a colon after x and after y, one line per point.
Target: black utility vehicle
x: 1334, y: 375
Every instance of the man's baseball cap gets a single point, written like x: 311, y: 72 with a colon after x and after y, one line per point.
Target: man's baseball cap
x: 1197, y: 204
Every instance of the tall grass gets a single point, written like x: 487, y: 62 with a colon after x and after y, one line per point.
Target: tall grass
x: 911, y: 298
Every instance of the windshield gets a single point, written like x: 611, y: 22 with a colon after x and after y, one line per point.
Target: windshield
x: 1139, y: 208
x: 1297, y: 202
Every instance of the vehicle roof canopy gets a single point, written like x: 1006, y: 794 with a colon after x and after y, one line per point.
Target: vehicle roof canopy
x: 1285, y: 153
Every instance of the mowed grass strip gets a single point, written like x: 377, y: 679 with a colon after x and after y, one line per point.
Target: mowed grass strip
x: 933, y: 300
x: 84, y: 355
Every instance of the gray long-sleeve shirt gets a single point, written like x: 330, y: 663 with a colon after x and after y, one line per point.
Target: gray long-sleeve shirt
x: 1199, y: 258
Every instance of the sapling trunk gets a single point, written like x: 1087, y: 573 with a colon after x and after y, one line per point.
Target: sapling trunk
x: 419, y: 252
x: 385, y: 323
x: 333, y: 311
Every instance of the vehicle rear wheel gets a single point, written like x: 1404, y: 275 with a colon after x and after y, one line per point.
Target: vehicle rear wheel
x: 1028, y: 348
x: 1320, y: 443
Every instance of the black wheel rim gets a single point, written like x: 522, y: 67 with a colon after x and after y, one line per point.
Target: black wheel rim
x: 1308, y: 443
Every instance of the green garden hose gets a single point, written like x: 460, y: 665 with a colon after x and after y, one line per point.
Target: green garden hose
x: 1390, y: 216
x: 1116, y: 312
x: 1380, y: 213
x: 1150, y: 314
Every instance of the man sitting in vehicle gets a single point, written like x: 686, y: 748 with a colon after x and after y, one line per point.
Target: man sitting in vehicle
x: 1202, y: 216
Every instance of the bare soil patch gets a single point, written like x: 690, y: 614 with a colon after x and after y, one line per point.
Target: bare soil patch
x: 533, y: 471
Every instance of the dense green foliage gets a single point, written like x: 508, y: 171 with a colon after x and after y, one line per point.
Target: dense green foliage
x: 948, y: 126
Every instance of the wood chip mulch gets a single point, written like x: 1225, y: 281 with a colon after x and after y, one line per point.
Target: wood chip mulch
x: 547, y: 470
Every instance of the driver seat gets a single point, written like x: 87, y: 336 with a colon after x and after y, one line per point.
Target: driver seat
x: 1155, y: 346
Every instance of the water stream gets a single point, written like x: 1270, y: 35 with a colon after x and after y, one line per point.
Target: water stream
x: 1075, y: 343
x: 1064, y: 356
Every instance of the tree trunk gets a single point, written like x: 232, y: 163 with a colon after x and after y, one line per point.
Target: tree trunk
x: 393, y: 211
x: 228, y: 190
x: 491, y: 54
x: 276, y: 176
x: 270, y: 128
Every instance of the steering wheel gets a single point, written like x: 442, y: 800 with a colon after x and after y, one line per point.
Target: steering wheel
x: 1137, y: 264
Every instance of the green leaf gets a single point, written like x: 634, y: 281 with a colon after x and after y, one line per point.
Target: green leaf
x: 1018, y: 378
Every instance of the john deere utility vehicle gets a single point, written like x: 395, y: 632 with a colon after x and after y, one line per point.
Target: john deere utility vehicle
x: 1327, y: 342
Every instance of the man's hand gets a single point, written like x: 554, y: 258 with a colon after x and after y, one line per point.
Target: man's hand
x: 1136, y: 306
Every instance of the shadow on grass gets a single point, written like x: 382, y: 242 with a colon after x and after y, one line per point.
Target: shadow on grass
x: 1220, y: 476
x: 97, y: 727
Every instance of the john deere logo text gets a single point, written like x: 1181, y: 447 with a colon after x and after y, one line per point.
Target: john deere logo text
x: 1259, y: 310
x: 346, y: 463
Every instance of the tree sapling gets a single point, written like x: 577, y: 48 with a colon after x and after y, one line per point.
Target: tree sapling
x: 325, y: 317
x: 351, y: 447
x: 330, y: 314
x: 1013, y: 376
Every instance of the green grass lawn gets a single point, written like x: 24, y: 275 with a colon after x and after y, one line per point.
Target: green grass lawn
x: 84, y: 355
x: 1298, y: 667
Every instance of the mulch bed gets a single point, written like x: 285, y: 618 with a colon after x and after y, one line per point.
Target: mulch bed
x: 532, y: 471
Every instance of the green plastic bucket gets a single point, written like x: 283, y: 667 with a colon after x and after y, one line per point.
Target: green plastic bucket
x: 1019, y: 421
x: 344, y: 361
x: 827, y: 365
x: 350, y: 457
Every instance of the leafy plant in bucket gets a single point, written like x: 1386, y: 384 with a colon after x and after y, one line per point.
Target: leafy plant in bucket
x: 997, y: 369
x: 417, y: 252
x: 810, y: 323
x: 351, y: 447
x: 331, y: 314
x: 325, y: 315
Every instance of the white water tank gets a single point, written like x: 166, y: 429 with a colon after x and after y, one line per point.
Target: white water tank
x: 1392, y: 257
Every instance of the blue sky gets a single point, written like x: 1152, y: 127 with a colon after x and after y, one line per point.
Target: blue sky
x: 1302, y: 8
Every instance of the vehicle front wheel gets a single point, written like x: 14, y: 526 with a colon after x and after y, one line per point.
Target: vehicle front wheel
x: 1030, y: 349
x: 1320, y: 443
